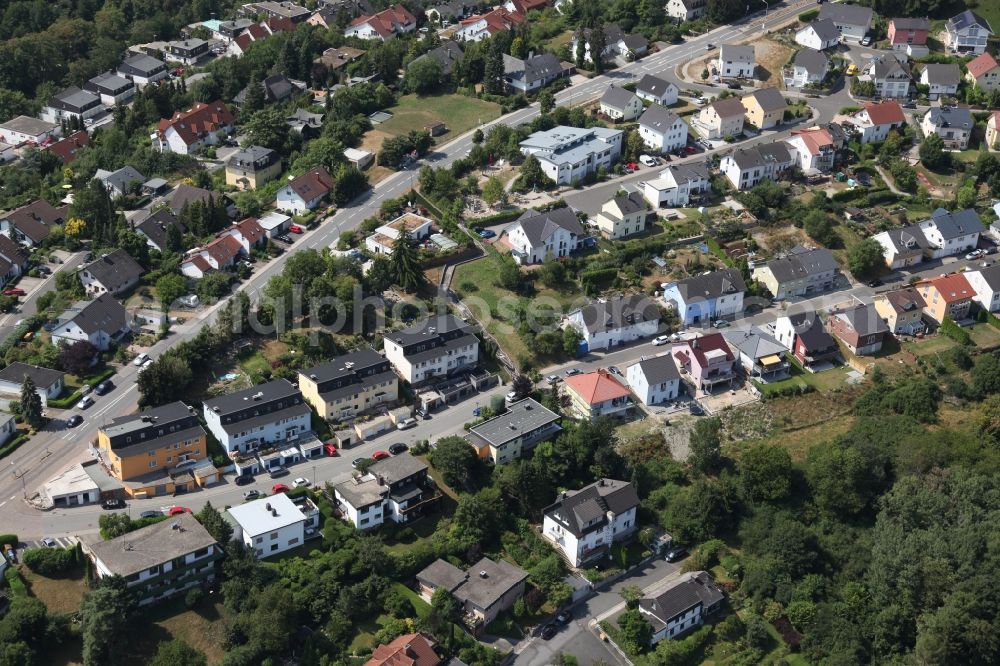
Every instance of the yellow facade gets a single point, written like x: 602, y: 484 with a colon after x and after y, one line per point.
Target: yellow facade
x: 126, y: 465
x: 760, y: 118
x: 251, y: 179
x: 366, y: 398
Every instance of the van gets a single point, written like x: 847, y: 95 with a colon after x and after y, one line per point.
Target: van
x: 648, y: 160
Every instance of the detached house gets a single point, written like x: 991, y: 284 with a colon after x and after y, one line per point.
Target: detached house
x: 31, y: 224
x: 616, y: 43
x: 567, y: 154
x: 736, y: 61
x: 986, y: 282
x: 432, y: 349
x: 155, y: 229
x: 111, y: 87
x: 416, y: 227
x: 890, y: 76
x: 622, y: 215
x: 14, y: 259
x: 808, y: 341
x: 188, y: 131
x: 349, y: 385
x: 703, y: 298
x: 143, y: 70
x: 941, y: 79
x: 681, y: 607
x: 765, y: 107
x: 760, y: 353
x: 686, y: 10
x: 406, y: 650
x: 654, y: 380
x: 818, y: 35
x: 251, y: 167
x: 814, y: 149
x: 875, y: 120
x: 487, y: 589
x: 952, y: 233
x: 395, y: 489
x: 584, y: 524
x: 48, y: 383
x: 860, y: 328
x: 954, y: 124
x: 722, y: 118
x: 967, y: 33
x: 809, y: 67
x: 745, y: 167
x: 113, y: 273
x: 654, y: 89
x: 305, y: 192
x: 620, y: 105
x: 901, y: 310
x: 118, y: 183
x: 536, y: 235
x: 616, y: 321
x: 596, y: 394
x: 662, y: 130
x: 909, y: 35
x: 25, y: 129
x: 479, y: 27
x: 853, y: 21
x: 216, y: 255
x: 946, y: 296
x: 269, y: 525
x: 100, y: 322
x: 67, y: 148
x: 676, y: 184
x: 386, y: 24
x: 533, y: 72
x: 984, y: 72
x: 800, y: 273
x: 520, y: 429
x: 706, y: 362
x: 72, y: 103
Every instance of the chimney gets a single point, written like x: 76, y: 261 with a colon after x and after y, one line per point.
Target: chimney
x: 268, y: 506
x: 483, y: 574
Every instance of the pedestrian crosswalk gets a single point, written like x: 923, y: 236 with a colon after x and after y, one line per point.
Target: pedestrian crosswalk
x: 50, y: 542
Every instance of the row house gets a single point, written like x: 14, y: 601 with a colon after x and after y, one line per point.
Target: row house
x: 615, y: 321
x: 901, y: 310
x: 350, y: 385
x: 799, y: 273
x: 745, y: 167
x: 804, y: 335
x: 860, y: 328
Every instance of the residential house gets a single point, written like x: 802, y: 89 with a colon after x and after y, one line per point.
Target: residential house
x: 533, y: 72
x: 745, y: 167
x: 451, y: 11
x: 853, y: 21
x: 251, y: 167
x: 248, y: 233
x: 8, y: 426
x: 416, y: 227
x: 216, y: 255
x: 446, y: 55
x: 876, y: 119
x: 396, y: 488
x: 946, y: 296
x: 584, y: 524
x: 809, y: 67
x: 705, y: 362
x: 654, y: 380
x: 143, y: 70
x: 14, y: 259
x: 155, y: 228
x: 305, y: 192
x: 386, y: 24
x: 736, y: 61
x: 349, y: 385
x: 904, y: 246
x: 158, y: 561
x: 616, y: 44
x: 860, y: 328
x: 891, y: 77
x: 985, y: 281
x: 621, y: 216
x: 277, y: 89
x: 537, y: 235
x: 682, y: 606
x: 706, y: 297
x: 654, y: 89
x: 676, y: 184
x: 288, y: 10
x: 72, y: 104
x: 722, y: 118
x: 901, y: 310
x: 686, y: 10
x: 120, y: 182
x: 983, y: 72
x: 305, y: 123
x: 229, y: 30
x: 324, y: 18
x: 909, y: 35
x: 615, y: 321
x: 818, y: 35
x: 662, y: 130
x: 254, y: 418
x: 967, y: 33
x: 620, y: 105
x: 765, y: 107
x: 268, y: 526
x: 522, y: 7
x: 479, y: 27
x: 113, y: 273
x: 67, y: 148
x: 187, y: 132
x: 954, y: 124
x: 596, y: 394
x: 187, y: 51
x: 941, y: 79
x: 487, y: 589
x: 100, y: 322
x: 406, y: 650
x: 803, y: 334
x: 569, y: 154
x: 814, y: 149
x: 31, y: 224
x: 111, y: 87
x: 48, y: 383
x: 254, y: 33
x: 432, y: 348
x: 760, y: 353
x: 26, y: 129
x: 952, y: 233
x: 186, y: 195
x: 799, y: 273
x: 334, y: 59
x: 505, y: 438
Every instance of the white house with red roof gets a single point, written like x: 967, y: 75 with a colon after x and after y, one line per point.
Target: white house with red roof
x: 248, y: 232
x: 396, y: 20
x: 596, y: 394
x: 983, y: 72
x: 706, y: 362
x: 188, y: 131
x: 875, y: 120
x: 305, y: 192
x: 522, y: 7
x: 993, y: 131
x: 219, y: 254
x: 479, y: 27
x: 814, y: 149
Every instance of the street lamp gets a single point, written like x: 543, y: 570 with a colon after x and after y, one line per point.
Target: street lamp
x: 24, y: 491
x: 764, y: 20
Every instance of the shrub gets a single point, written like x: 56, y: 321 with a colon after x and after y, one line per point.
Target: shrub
x: 49, y: 562
x: 809, y: 16
x: 8, y: 539
x: 194, y: 597
x: 955, y: 332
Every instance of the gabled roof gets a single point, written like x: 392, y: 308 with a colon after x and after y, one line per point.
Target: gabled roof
x: 202, y: 119
x: 14, y: 253
x: 617, y: 98
x: 535, y: 68
x: 842, y: 14
x: 952, y: 288
x: 629, y: 203
x: 447, y: 54
x: 885, y: 66
x: 406, y: 650
x: 769, y: 99
x: 114, y: 270
x: 825, y: 29
x: 35, y: 220
x: 690, y: 591
x: 250, y: 229
x: 991, y: 276
x: 813, y: 61
x: 737, y: 53
x: 801, y: 263
x: 809, y: 329
x: 42, y: 377
x: 120, y: 178
x: 981, y: 64
x: 223, y: 249
x: 659, y: 369
x: 967, y: 19
x: 539, y: 226
x: 884, y: 113
x: 581, y: 510
x: 658, y: 118
x: 596, y: 387
x: 728, y: 107
x: 654, y: 85
x: 619, y: 312
x: 911, y: 23
x: 155, y: 226
x: 948, y: 74
x: 761, y: 155
x: 954, y: 225
x: 712, y: 285
x: 951, y: 116
x: 104, y: 313
x: 385, y: 21
x: 903, y: 300
x: 186, y: 194
x: 68, y: 147
x: 702, y: 346
x: 862, y: 319
x: 753, y: 342
x: 815, y: 139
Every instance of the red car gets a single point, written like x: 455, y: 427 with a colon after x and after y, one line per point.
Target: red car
x: 14, y: 291
x: 296, y: 229
x: 690, y: 150
x: 279, y: 488
x: 330, y: 449
x: 632, y: 165
x: 178, y: 510
x: 380, y: 455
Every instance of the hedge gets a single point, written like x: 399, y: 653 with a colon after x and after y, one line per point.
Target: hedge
x: 498, y: 218
x: 50, y: 562
x: 955, y: 332
x: 12, y: 446
x: 880, y: 197
x: 809, y: 16
x: 74, y: 397
x: 16, y: 583
x: 9, y: 540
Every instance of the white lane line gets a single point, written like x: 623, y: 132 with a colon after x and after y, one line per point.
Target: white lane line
x: 3, y: 502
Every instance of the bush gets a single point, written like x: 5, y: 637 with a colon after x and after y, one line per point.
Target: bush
x: 809, y: 16
x: 8, y: 539
x: 955, y: 332
x: 194, y: 597
x: 49, y: 562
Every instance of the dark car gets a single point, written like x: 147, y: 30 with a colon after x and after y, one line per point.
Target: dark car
x: 423, y: 413
x: 278, y: 472
x: 487, y: 233
x: 104, y: 387
x: 675, y: 554
x: 74, y: 421
x: 573, y: 371
x: 875, y: 283
x: 614, y: 369
x: 113, y: 503
x: 696, y: 409
x: 357, y: 461
x: 44, y: 270
x: 243, y: 480
x: 732, y: 85
x: 285, y: 238
x: 150, y: 514
x: 548, y: 631
x: 398, y: 448
x: 564, y: 617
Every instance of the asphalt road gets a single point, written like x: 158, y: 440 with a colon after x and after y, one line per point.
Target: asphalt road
x: 28, y: 305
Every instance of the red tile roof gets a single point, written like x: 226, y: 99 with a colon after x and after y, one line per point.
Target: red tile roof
x: 407, y: 650
x: 952, y: 287
x: 525, y: 6
x: 814, y: 139
x: 982, y: 64
x: 385, y: 22
x: 201, y: 120
x: 223, y: 250
x: 279, y: 24
x: 706, y: 343
x: 250, y: 230
x: 595, y: 387
x: 885, y: 113
x: 497, y: 20
x: 67, y: 148
x: 313, y: 183
x: 199, y: 262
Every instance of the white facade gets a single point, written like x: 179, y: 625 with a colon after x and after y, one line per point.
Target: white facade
x: 652, y: 393
x: 612, y: 337
x: 810, y: 38
x: 24, y: 129
x: 801, y: 76
x: 70, y: 332
x: 666, y: 97
x: 744, y: 178
x: 666, y: 140
x: 674, y: 187
x: 719, y: 126
x: 279, y: 430
x: 629, y: 111
x: 685, y: 10
x: 945, y: 247
x: 735, y: 68
x: 446, y: 362
x: 987, y: 296
x: 569, y: 154
x: 269, y: 525
x: 575, y: 549
x: 937, y: 89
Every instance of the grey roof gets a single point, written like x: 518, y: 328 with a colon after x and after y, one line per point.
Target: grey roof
x: 104, y: 313
x: 959, y: 223
x: 617, y: 98
x: 539, y: 226
x: 447, y: 54
x: 658, y: 118
x: 619, y: 312
x: 911, y: 23
x: 908, y: 238
x: 585, y: 510
x: 659, y: 369
x: 142, y: 64
x: 482, y: 586
x: 253, y: 157
x: 154, y: 544
x: 951, y: 116
x: 846, y: 14
x: 17, y: 371
x: 943, y: 75
x: 653, y: 85
x: 162, y: 426
x: 277, y: 87
x: 361, y: 492
x: 886, y: 65
x: 108, y: 81
x: 120, y: 179
x: 863, y: 319
x: 28, y: 125
x: 753, y: 342
x: 115, y: 271
x: 727, y: 107
x: 75, y: 98
x: 825, y: 29
x: 769, y: 99
x: 397, y: 468
x: 629, y: 203
x: 272, y: 391
x: 803, y: 262
x: 814, y: 62
x: 809, y: 328
x: 760, y: 155
x: 536, y: 68
x: 346, y: 374
x: 635, y: 42
x: 967, y: 19
x: 991, y: 275
x: 345, y: 365
x: 736, y: 53
x: 688, y: 172
x: 521, y: 417
x: 155, y: 226
x: 430, y: 328
x: 694, y: 589
x: 712, y: 285
x: 442, y: 573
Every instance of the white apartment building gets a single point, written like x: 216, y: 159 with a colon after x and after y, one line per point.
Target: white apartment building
x: 569, y: 154
x: 583, y: 524
x: 433, y: 348
x: 662, y: 130
x: 269, y: 525
x: 263, y: 415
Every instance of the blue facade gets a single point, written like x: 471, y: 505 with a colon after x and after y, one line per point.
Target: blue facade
x: 695, y: 312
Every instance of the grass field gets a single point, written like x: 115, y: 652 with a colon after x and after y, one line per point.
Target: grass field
x: 821, y: 381
x: 459, y: 112
x: 200, y: 628
x: 60, y: 595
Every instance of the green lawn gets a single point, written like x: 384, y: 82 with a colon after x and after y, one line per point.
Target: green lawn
x: 821, y: 381
x: 929, y: 346
x: 985, y: 335
x: 459, y: 112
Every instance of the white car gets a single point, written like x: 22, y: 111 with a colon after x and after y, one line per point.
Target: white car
x: 145, y: 366
x: 661, y: 340
x: 140, y: 359
x: 86, y: 402
x: 299, y: 482
x: 408, y: 422
x: 975, y: 254
x: 648, y: 160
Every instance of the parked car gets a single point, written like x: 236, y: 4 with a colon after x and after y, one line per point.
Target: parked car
x: 648, y: 160
x: 661, y: 340
x: 150, y: 514
x: 733, y: 85
x: 422, y: 413
x: 85, y: 402
x: 296, y: 229
x: 14, y: 291
x: 357, y: 461
x: 398, y: 448
x: 615, y: 370
x: 720, y: 323
x: 284, y: 238
x: 676, y: 553
x: 243, y: 480
x: 140, y: 359
x: 112, y: 503
x: 487, y: 233
x: 573, y: 371
x: 695, y: 409
x: 104, y: 387
x: 552, y: 379
x: 178, y: 510
x: 852, y: 69
x: 548, y: 631
x: 251, y: 495
x: 875, y: 283
x: 380, y: 455
x: 43, y: 270
x: 145, y: 366
x: 975, y: 254
x: 564, y: 617
x: 279, y: 488
x: 866, y: 40
x: 300, y: 482
x: 278, y: 472
x: 406, y: 423
x: 49, y: 542
x: 74, y: 421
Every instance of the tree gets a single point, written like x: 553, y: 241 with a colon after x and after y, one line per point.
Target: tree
x: 267, y: 128
x: 160, y: 382
x: 546, y: 101
x: 477, y: 136
x: 634, y: 145
x: 177, y: 653
x: 635, y: 632
x: 493, y: 82
x: 724, y: 11
x: 169, y: 288
x: 31, y: 403
x: 765, y: 473
x: 521, y: 386
x: 571, y: 341
x: 818, y: 225
x: 77, y: 358
x: 865, y: 259
x: 631, y: 594
x: 456, y: 461
x: 493, y: 190
x: 405, y: 264
x: 932, y: 153
x: 75, y: 227
x: 215, y: 524
x: 532, y: 175
x: 104, y: 618
x: 423, y: 75
x: 706, y: 445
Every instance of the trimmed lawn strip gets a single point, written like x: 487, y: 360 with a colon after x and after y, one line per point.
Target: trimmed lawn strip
x: 458, y: 112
